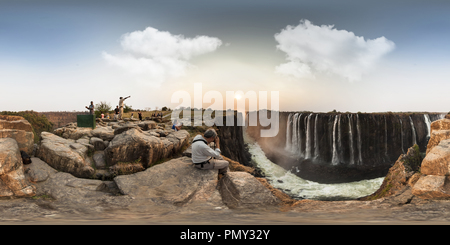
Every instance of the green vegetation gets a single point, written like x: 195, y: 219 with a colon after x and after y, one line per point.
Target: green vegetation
x: 413, y: 162
x: 45, y: 197
x: 39, y: 123
x: 102, y: 107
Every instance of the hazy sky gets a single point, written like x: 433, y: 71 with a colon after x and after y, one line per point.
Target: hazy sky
x: 367, y: 56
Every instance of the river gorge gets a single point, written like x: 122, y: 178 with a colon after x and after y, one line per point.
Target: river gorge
x: 343, y: 147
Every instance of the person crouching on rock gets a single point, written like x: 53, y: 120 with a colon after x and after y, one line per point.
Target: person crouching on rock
x: 206, y: 158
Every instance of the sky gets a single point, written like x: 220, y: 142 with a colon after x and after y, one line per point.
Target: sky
x: 320, y: 55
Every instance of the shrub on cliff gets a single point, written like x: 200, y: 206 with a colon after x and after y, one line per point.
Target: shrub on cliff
x: 39, y: 122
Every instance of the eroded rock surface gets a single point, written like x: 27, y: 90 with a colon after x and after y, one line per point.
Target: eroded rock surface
x: 65, y: 155
x: 18, y: 128
x: 242, y: 190
x: 12, y: 178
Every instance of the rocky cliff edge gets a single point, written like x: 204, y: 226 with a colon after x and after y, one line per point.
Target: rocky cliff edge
x: 427, y: 178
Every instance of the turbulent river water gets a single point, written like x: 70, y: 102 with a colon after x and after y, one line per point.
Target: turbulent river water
x: 299, y: 188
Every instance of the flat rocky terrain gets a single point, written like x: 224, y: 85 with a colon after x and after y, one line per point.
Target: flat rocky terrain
x: 47, y: 211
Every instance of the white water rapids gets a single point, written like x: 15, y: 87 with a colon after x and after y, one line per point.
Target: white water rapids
x: 297, y: 187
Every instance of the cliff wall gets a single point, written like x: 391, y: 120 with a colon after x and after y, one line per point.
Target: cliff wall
x: 232, y: 143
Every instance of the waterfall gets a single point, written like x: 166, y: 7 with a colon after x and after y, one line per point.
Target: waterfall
x: 308, y: 137
x: 316, y: 139
x: 335, y: 159
x: 299, y: 137
x: 428, y: 123
x: 294, y: 133
x: 339, y: 145
x: 352, y: 151
x: 288, y: 133
x: 358, y: 129
x: 334, y: 140
x: 413, y: 131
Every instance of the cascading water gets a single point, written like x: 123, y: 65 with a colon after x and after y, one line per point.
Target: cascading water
x: 289, y: 134
x: 308, y: 137
x: 335, y: 159
x: 413, y: 131
x: 358, y: 128
x: 316, y: 138
x: 299, y: 188
x: 428, y: 122
x: 352, y: 150
x: 294, y: 144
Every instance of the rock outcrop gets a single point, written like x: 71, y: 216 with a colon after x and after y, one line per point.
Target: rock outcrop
x: 67, y: 188
x: 174, y: 182
x: 437, y: 160
x: 135, y: 145
x: 12, y: 179
x: 65, y: 155
x: 18, y: 128
x: 117, y: 147
x: 432, y: 187
x: 242, y: 190
x: 65, y: 165
x: 431, y: 180
x: 434, y: 182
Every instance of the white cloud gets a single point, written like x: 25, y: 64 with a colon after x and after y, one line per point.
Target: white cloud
x: 156, y: 55
x: 314, y: 49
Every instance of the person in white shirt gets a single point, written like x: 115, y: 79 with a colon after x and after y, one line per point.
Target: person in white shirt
x: 121, y: 103
x: 204, y: 157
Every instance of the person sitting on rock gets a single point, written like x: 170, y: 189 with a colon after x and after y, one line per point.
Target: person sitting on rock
x: 204, y: 157
x: 176, y: 126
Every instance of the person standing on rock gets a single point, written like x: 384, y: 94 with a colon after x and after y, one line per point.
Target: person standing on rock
x: 91, y: 108
x: 121, y: 100
x: 206, y: 158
